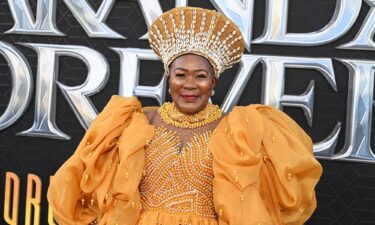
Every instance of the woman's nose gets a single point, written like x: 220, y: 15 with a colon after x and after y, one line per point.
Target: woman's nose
x: 189, y: 82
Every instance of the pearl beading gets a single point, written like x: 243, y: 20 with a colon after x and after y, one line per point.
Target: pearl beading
x: 178, y: 182
x: 220, y: 42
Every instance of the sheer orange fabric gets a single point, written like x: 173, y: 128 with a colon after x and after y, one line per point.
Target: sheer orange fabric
x: 100, y: 180
x: 264, y: 168
x: 263, y: 165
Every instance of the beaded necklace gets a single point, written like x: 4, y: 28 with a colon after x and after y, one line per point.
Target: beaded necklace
x: 172, y: 116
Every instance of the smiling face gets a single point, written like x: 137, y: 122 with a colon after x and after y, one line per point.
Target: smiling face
x: 191, y: 82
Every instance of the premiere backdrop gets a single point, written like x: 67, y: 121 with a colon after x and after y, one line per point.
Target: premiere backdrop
x: 338, y: 104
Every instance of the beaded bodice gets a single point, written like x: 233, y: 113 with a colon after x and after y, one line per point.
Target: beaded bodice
x: 178, y: 171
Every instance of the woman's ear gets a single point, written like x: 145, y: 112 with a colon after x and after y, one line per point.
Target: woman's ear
x: 214, y: 81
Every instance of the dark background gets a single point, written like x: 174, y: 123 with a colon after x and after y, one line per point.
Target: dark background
x: 346, y: 191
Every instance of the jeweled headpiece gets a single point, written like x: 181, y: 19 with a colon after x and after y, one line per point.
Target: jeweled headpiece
x: 199, y: 31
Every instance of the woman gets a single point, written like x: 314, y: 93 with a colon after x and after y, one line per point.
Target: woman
x: 186, y: 163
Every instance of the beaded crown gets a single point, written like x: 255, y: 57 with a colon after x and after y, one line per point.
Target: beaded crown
x: 207, y: 33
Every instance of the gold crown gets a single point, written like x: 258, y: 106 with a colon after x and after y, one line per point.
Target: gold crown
x: 199, y: 31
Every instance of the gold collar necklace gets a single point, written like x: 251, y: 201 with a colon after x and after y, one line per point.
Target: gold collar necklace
x: 172, y: 116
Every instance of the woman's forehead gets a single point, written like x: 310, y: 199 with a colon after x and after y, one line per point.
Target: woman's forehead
x: 193, y: 58
x: 191, y: 62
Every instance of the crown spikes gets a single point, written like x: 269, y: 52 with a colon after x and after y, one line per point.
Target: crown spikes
x: 203, y: 22
x: 182, y: 21
x: 207, y: 41
x: 165, y: 26
x: 194, y: 20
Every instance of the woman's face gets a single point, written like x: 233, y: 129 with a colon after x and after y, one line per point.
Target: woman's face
x: 191, y: 81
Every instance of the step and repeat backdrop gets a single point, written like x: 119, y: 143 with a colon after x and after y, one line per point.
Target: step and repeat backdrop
x: 62, y: 60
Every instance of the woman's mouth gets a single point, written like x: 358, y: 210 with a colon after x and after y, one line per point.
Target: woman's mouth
x: 189, y: 98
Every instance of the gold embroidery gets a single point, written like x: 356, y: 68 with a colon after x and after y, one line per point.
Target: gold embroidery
x: 178, y: 184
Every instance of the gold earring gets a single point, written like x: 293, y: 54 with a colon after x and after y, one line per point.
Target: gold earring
x: 212, y: 92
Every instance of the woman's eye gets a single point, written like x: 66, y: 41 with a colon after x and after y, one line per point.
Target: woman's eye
x: 201, y: 76
x: 179, y: 75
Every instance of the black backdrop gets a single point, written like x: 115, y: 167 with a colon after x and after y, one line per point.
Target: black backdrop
x: 346, y: 191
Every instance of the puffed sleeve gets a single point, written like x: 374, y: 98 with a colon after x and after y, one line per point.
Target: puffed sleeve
x: 264, y: 168
x: 100, y: 180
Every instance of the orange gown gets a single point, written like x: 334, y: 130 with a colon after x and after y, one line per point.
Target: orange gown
x: 258, y: 168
